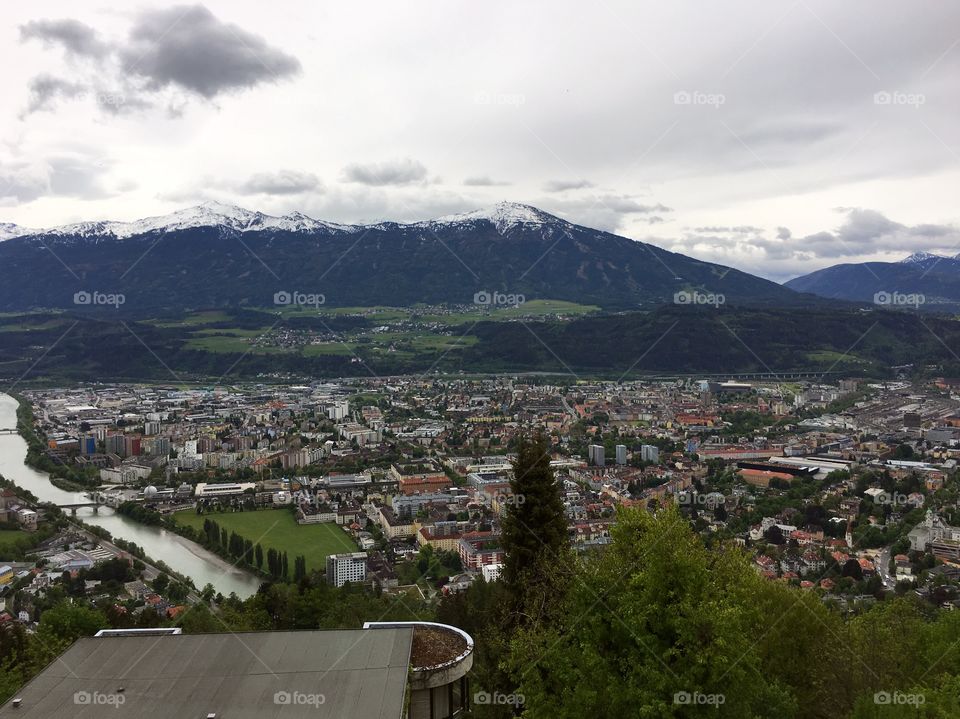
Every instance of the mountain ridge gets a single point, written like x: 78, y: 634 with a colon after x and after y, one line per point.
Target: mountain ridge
x: 213, y: 214
x: 935, y: 277
x: 215, y: 255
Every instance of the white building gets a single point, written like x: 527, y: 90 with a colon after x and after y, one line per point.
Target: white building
x: 343, y: 568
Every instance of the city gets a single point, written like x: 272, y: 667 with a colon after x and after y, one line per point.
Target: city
x: 447, y: 360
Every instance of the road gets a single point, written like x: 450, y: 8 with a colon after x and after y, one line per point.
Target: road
x: 150, y: 572
x: 883, y: 568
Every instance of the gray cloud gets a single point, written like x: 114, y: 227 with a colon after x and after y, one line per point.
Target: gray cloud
x: 869, y: 232
x: 186, y: 46
x: 183, y: 48
x: 283, y: 182
x: 738, y: 230
x: 564, y: 185
x: 74, y: 36
x: 604, y: 211
x: 75, y: 175
x: 864, y: 234
x: 390, y: 172
x: 46, y: 90
x: 483, y: 181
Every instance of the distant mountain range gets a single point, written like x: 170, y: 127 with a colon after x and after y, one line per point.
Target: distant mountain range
x: 217, y: 255
x: 934, y: 277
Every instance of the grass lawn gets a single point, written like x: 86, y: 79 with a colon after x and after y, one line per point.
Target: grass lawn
x: 278, y: 529
x: 9, y: 537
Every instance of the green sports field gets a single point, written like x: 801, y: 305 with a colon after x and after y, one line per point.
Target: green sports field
x: 277, y: 529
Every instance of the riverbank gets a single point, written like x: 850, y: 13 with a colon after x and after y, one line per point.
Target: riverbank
x: 162, y: 545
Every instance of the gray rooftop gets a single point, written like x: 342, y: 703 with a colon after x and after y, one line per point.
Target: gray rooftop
x: 275, y: 675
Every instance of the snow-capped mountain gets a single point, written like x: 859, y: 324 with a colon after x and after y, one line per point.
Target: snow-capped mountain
x: 918, y: 258
x: 195, y: 261
x: 8, y: 230
x: 208, y: 214
x: 503, y: 215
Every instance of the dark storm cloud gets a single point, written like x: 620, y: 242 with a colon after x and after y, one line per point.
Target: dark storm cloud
x: 390, y: 172
x: 186, y: 46
x: 283, y: 182
x: 74, y: 36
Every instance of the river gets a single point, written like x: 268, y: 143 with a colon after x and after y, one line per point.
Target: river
x: 180, y: 554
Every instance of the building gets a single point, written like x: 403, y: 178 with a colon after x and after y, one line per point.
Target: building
x: 343, y: 568
x: 480, y: 549
x: 419, y: 477
x: 444, y: 536
x: 224, y: 489
x: 621, y: 454
x: 649, y: 453
x: 936, y: 536
x: 395, y: 527
x: 595, y: 455
x: 377, y: 672
x: 27, y: 519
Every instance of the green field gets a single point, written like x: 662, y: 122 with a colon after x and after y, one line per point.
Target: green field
x: 277, y: 529
x: 27, y: 325
x: 10, y: 537
x: 194, y: 319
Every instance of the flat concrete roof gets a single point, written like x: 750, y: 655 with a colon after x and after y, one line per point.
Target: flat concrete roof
x: 279, y: 675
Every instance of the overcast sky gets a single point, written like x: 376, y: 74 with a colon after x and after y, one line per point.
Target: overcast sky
x: 778, y: 137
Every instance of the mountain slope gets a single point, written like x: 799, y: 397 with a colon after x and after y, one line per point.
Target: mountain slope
x: 218, y: 256
x: 935, y: 277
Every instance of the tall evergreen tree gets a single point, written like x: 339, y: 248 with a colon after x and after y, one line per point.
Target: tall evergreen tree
x: 535, y: 538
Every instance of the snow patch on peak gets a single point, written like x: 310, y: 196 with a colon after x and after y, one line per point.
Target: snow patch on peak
x: 920, y: 257
x: 503, y: 216
x: 207, y: 214
x: 8, y: 231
